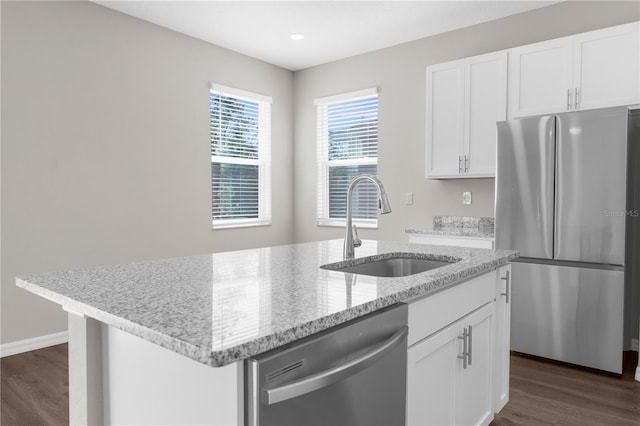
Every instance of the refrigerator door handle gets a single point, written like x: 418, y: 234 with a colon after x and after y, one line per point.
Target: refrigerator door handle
x: 555, y: 132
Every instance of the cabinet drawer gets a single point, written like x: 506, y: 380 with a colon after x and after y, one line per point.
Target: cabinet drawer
x: 432, y: 313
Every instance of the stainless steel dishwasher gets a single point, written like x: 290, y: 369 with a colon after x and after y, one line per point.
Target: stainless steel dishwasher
x: 353, y: 374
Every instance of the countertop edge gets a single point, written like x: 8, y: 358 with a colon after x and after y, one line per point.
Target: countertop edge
x: 167, y: 342
x: 451, y: 232
x: 279, y: 338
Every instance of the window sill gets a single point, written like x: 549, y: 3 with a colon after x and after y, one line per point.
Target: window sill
x: 241, y: 224
x: 341, y: 223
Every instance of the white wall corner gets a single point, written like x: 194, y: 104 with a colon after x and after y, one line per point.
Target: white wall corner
x: 34, y: 343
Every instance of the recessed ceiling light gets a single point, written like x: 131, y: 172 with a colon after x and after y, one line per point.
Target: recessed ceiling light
x: 296, y: 36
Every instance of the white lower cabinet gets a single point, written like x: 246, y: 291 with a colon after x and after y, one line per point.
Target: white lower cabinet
x: 502, y: 338
x: 458, y: 356
x: 447, y: 385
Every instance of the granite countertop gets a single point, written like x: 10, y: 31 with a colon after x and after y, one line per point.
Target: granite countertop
x: 225, y: 307
x: 458, y: 226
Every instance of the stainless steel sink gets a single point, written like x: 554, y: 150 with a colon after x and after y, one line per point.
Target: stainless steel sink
x: 399, y: 266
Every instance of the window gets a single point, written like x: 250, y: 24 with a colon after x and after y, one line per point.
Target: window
x: 347, y: 147
x: 240, y: 126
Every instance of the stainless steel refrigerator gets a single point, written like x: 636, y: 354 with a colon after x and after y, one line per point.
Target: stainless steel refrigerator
x: 567, y: 199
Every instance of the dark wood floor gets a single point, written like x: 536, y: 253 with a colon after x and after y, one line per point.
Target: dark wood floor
x: 35, y: 388
x: 550, y: 393
x: 35, y: 391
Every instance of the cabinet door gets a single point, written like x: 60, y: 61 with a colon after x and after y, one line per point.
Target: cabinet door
x: 485, y: 103
x: 440, y: 390
x: 606, y: 70
x: 431, y: 372
x: 540, y: 77
x: 445, y: 115
x: 502, y: 338
x: 474, y: 398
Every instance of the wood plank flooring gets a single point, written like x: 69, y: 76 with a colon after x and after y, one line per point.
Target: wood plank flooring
x: 35, y: 391
x: 550, y: 393
x: 35, y: 388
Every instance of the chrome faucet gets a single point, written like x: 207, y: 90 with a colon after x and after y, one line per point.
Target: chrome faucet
x: 351, y: 240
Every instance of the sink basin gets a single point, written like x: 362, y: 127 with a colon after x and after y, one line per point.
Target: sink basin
x: 397, y: 266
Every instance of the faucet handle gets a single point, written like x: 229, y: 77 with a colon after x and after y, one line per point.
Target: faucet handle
x: 357, y: 242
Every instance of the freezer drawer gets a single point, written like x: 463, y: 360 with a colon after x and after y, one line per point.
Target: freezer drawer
x: 568, y: 314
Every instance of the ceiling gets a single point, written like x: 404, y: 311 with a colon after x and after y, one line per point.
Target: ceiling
x: 333, y: 29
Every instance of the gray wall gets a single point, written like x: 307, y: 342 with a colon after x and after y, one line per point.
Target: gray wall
x: 105, y: 147
x: 399, y: 73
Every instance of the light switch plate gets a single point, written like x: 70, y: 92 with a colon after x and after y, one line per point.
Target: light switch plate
x: 466, y: 198
x: 408, y: 198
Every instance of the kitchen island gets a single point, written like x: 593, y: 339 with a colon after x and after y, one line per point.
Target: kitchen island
x: 144, y: 336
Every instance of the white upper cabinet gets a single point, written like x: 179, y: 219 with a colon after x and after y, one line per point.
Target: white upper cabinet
x: 465, y: 98
x: 445, y: 118
x: 539, y: 78
x: 485, y: 103
x: 607, y: 71
x: 590, y: 70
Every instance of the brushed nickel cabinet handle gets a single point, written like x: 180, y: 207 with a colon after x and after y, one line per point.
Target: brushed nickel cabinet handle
x: 568, y: 98
x: 464, y: 354
x: 508, y: 281
x: 469, y: 346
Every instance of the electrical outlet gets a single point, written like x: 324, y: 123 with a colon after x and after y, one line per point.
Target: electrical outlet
x: 408, y: 198
x: 466, y: 198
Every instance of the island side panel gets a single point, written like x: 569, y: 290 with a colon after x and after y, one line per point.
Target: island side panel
x: 85, y: 371
x: 147, y: 384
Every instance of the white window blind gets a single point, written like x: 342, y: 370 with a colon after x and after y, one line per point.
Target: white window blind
x: 240, y: 127
x: 347, y: 147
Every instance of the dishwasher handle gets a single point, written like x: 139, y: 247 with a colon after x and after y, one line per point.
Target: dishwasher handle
x: 335, y: 374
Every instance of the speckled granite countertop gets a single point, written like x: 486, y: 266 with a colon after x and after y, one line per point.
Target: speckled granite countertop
x: 225, y: 307
x: 458, y: 226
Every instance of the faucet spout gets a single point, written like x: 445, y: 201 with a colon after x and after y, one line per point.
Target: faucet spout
x: 350, y: 238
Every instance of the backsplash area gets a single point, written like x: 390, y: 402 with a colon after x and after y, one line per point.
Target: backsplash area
x: 482, y: 224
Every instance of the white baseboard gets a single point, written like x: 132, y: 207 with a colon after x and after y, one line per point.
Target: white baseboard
x: 27, y: 345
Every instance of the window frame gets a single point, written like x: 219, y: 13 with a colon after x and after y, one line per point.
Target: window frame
x: 323, y: 162
x: 263, y: 161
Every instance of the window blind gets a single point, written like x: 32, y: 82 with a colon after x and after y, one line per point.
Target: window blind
x: 240, y: 157
x: 347, y: 146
